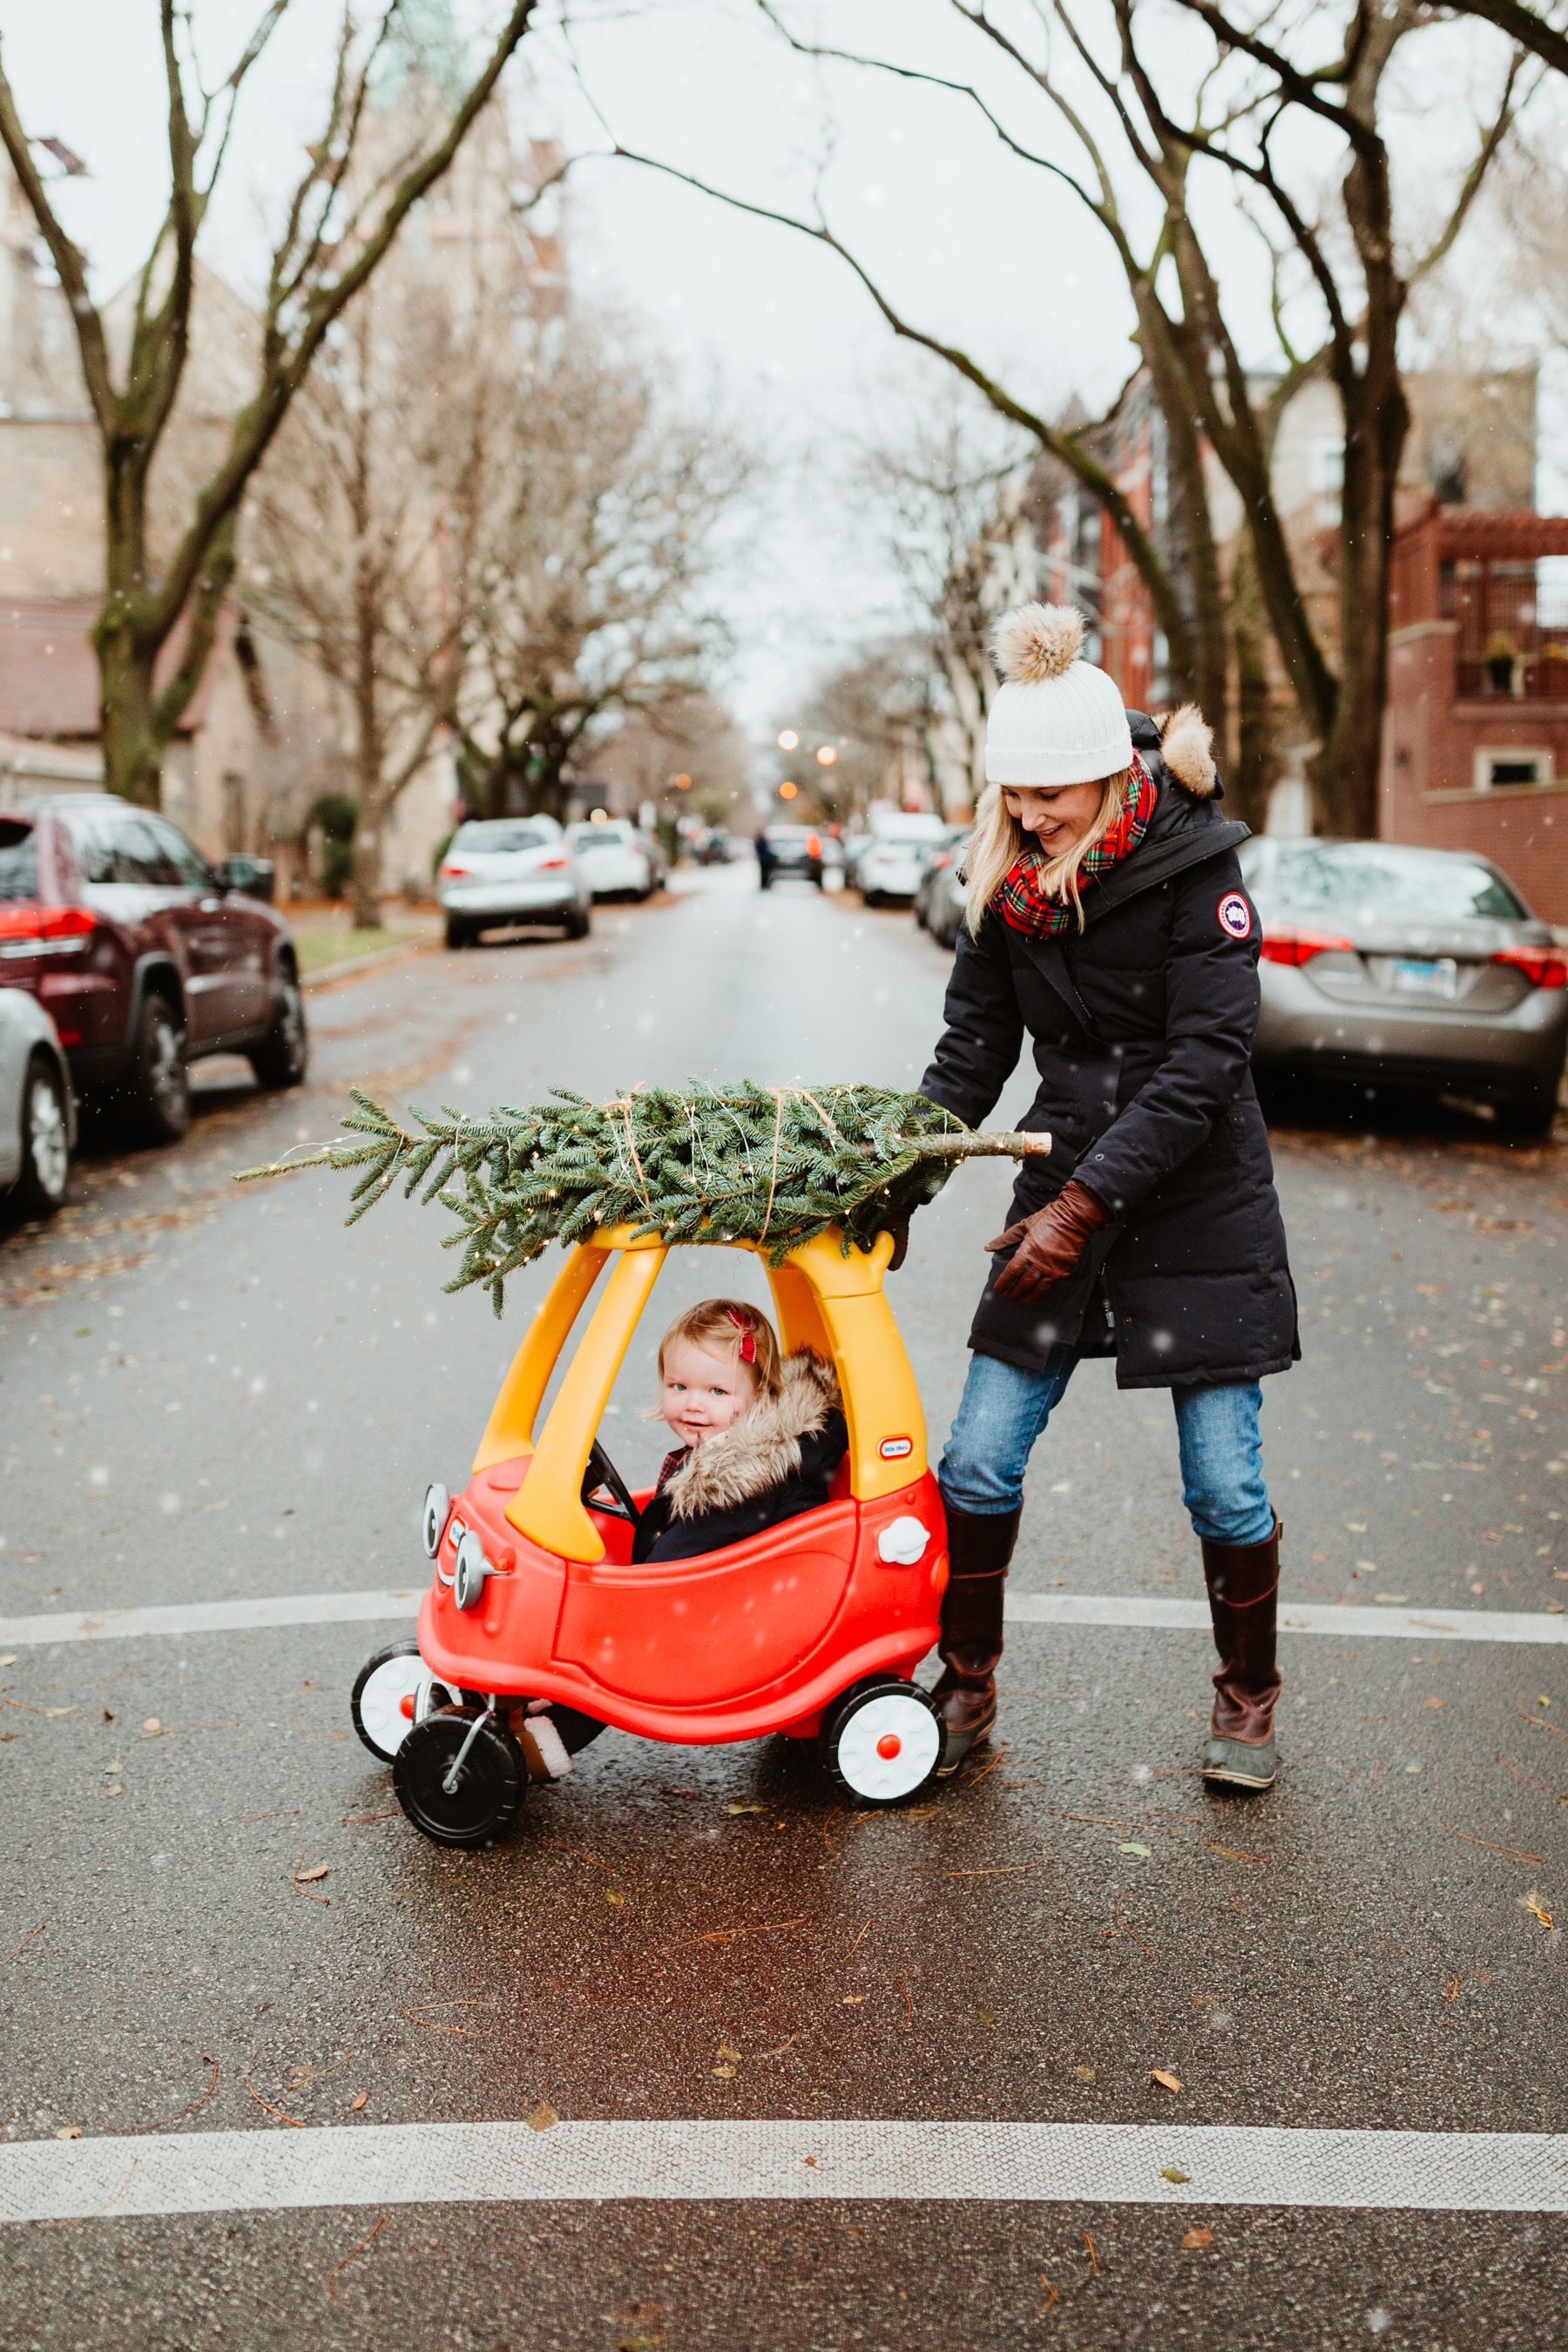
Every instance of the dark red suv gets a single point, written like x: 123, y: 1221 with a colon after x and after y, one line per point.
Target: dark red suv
x: 146, y: 956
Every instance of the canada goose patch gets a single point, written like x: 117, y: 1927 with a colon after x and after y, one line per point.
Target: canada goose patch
x: 1235, y: 915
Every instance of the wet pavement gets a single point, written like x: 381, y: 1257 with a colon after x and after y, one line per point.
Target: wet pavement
x: 214, y: 1392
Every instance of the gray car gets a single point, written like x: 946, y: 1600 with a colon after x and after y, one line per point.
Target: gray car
x: 500, y: 871
x: 1415, y: 968
x: 37, y: 1109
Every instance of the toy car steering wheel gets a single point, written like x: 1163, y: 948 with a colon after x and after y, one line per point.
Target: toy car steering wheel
x: 602, y: 1472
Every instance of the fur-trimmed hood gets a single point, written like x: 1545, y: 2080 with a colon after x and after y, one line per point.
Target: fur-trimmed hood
x: 760, y: 1451
x: 1186, y: 747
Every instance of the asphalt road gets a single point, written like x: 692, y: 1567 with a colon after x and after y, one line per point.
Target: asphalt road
x: 213, y: 1394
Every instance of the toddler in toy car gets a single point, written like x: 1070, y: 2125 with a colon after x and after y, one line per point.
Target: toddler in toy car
x: 760, y: 1434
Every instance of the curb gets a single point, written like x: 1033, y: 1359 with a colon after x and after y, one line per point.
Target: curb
x: 328, y: 973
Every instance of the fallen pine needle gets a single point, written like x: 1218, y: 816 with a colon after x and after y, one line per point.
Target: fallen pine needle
x: 125, y: 2131
x: 726, y: 1935
x: 996, y: 1870
x: 577, y: 1852
x: 24, y: 1942
x: 1235, y: 1853
x: 1051, y: 2292
x: 264, y: 2102
x: 909, y: 2005
x: 1558, y: 1793
x: 1541, y: 1719
x: 973, y: 1780
x: 826, y: 1825
x: 1093, y: 2257
x: 859, y: 1941
x: 300, y: 1889
x: 344, y: 1819
x: 436, y: 2026
x: 1518, y: 1851
x: 349, y: 2257
x: 291, y: 1814
x: 1126, y: 1930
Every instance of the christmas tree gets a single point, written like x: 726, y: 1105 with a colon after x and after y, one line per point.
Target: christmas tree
x: 775, y: 1165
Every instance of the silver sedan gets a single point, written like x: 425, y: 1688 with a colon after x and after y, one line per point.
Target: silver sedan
x: 37, y: 1109
x: 1416, y: 967
x: 501, y: 871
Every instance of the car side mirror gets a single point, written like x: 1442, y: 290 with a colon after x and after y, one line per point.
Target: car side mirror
x: 254, y: 877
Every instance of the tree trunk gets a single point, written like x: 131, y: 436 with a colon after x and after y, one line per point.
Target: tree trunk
x: 1345, y: 772
x: 133, y: 755
x: 1251, y: 780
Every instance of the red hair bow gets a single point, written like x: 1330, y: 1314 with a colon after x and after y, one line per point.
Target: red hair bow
x: 748, y: 1341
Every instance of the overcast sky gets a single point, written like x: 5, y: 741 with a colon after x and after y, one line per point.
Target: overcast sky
x: 974, y: 245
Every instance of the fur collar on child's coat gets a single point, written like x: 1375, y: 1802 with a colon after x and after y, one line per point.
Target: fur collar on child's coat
x: 762, y: 1449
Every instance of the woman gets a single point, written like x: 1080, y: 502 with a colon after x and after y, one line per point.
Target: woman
x: 1107, y: 918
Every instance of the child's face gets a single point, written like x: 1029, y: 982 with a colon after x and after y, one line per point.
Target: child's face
x: 703, y: 1391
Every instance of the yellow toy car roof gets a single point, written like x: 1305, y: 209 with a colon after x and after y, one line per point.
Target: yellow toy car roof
x: 823, y: 1300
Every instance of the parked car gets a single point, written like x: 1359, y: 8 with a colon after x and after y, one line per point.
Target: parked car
x: 889, y: 866
x: 37, y: 1107
x: 789, y: 853
x: 941, y: 897
x: 1402, y: 967
x: 854, y: 843
x: 499, y: 871
x: 146, y: 957
x: 614, y: 856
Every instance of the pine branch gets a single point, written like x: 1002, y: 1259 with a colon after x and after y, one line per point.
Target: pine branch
x: 775, y: 1165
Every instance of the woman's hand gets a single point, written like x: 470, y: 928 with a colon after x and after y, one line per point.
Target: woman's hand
x: 1050, y: 1244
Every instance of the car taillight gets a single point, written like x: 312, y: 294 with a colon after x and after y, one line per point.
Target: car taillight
x: 940, y: 862
x: 813, y: 847
x: 34, y: 922
x: 453, y: 873
x: 1297, y: 947
x: 1543, y: 967
x: 552, y: 865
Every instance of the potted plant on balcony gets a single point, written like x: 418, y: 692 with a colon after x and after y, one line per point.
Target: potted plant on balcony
x: 1501, y: 654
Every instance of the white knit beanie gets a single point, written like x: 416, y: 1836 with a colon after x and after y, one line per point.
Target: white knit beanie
x: 1057, y: 719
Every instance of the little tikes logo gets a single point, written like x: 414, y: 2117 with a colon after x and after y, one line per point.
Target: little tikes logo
x: 896, y: 1449
x: 1235, y: 915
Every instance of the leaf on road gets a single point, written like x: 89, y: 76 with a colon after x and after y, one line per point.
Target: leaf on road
x: 1537, y: 1909
x: 358, y: 2101
x: 724, y: 2050
x: 1174, y: 2174
x: 1085, y: 2074
x: 69, y: 2131
x: 1166, y: 2081
x: 611, y: 1896
x: 1141, y: 1851
x: 543, y: 2118
x: 746, y: 1809
x: 59, y: 1710
x: 309, y: 1878
x: 1197, y: 2238
x: 152, y: 1724
x: 724, y: 2074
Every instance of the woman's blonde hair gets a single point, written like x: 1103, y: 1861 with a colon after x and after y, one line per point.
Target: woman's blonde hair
x: 722, y: 1325
x: 999, y: 840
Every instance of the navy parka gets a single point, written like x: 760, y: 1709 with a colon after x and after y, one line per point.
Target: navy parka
x: 1142, y: 1027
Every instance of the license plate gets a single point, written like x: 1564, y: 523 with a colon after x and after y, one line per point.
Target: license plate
x: 1413, y: 977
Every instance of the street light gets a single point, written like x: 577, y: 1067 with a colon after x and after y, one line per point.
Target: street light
x: 682, y: 783
x: 788, y: 739
x: 826, y: 756
x: 787, y: 792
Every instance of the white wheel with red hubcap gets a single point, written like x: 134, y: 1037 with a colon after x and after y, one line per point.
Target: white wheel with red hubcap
x: 882, y: 1741
x: 383, y: 1697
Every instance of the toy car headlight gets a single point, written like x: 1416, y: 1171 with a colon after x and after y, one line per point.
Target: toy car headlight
x: 472, y: 1567
x: 438, y: 1503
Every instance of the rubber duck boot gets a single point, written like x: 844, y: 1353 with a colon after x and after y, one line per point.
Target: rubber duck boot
x: 970, y: 1645
x: 1243, y: 1582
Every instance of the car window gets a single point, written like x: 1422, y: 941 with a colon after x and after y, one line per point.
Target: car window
x: 187, y: 861
x: 585, y: 837
x: 910, y: 828
x: 497, y: 834
x: 114, y: 848
x: 19, y: 861
x: 1383, y: 883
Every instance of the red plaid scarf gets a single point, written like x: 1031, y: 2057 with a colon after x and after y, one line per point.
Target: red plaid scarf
x: 1024, y: 904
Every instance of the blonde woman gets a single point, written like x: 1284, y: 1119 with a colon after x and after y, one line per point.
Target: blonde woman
x: 1108, y: 922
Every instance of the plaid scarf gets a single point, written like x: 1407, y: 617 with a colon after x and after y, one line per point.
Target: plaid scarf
x: 1024, y: 904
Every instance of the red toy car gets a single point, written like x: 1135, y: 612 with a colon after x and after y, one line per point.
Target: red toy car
x: 538, y: 1632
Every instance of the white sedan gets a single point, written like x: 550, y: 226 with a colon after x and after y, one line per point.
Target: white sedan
x: 37, y: 1109
x: 499, y: 871
x: 614, y: 855
x: 892, y: 864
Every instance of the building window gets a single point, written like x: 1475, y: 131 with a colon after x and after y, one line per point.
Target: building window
x: 1326, y: 480
x: 1512, y: 763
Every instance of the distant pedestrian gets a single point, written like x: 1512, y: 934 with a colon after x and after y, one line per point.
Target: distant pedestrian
x: 1107, y: 919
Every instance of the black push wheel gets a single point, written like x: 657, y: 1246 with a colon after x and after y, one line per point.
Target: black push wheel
x: 40, y: 1188
x: 488, y: 1787
x: 377, y: 1703
x: 283, y: 1055
x: 882, y: 1741
x: 159, y: 1082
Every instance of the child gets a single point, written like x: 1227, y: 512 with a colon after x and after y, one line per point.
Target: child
x: 760, y: 1436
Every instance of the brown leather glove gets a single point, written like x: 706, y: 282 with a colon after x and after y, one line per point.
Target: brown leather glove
x: 1050, y: 1244
x: 900, y: 1228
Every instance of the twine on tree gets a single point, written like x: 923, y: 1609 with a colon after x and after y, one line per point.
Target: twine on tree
x: 623, y: 1102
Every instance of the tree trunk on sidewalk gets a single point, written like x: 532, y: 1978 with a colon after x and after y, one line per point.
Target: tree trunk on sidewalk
x: 1251, y: 782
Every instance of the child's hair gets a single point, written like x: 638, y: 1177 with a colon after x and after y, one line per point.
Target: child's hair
x: 730, y: 1325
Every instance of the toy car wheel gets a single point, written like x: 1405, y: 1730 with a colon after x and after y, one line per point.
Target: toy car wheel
x: 383, y: 1702
x: 487, y: 1786
x: 882, y: 1741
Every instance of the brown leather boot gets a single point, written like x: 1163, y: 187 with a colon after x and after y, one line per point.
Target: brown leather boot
x: 978, y: 1550
x: 1243, y: 1584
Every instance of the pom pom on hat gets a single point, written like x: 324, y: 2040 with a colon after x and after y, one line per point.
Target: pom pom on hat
x: 1034, y: 642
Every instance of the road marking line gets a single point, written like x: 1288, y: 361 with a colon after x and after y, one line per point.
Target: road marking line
x: 1058, y: 1608
x: 504, y: 2163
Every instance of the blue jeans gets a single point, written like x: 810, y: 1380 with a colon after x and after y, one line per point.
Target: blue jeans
x: 1003, y: 1410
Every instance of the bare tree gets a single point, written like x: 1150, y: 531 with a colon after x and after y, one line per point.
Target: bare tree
x: 594, y: 559
x: 337, y: 228
x: 364, y: 519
